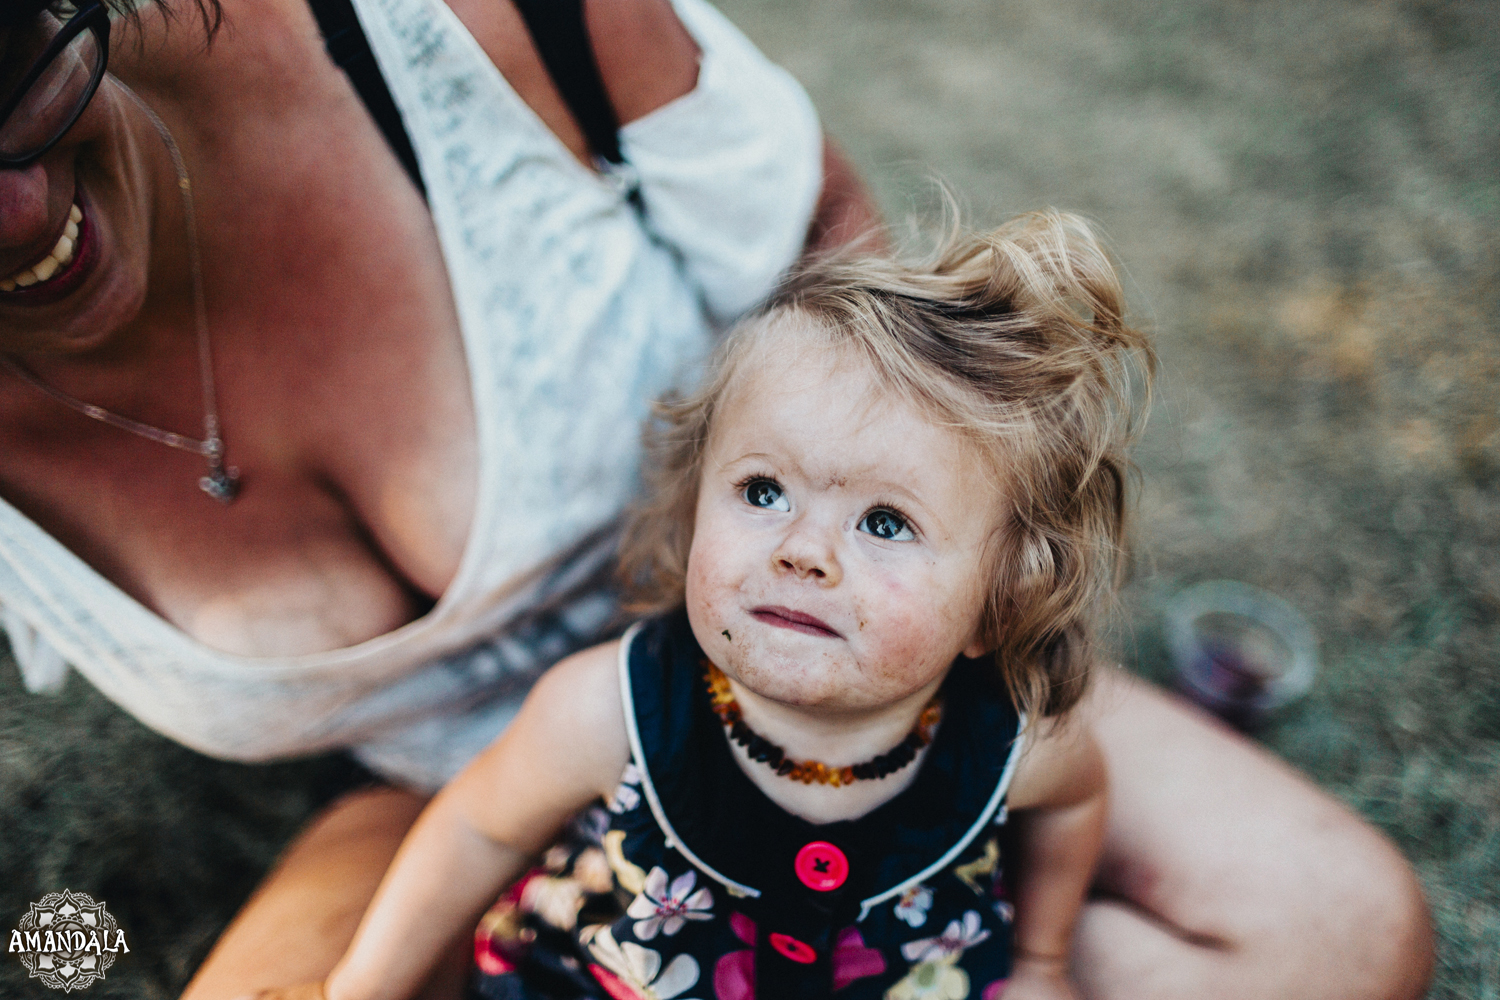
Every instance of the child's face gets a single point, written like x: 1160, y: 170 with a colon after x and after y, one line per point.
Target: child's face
x: 838, y: 551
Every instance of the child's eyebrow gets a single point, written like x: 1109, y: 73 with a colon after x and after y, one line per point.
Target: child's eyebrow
x: 749, y: 457
x: 900, y: 493
x: 878, y: 488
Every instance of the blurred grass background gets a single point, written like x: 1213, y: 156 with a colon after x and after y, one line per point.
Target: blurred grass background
x: 1306, y: 197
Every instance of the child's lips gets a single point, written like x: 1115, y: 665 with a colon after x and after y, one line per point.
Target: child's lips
x: 797, y: 621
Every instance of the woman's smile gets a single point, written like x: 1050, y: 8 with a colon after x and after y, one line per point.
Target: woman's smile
x: 76, y: 231
x: 62, y: 269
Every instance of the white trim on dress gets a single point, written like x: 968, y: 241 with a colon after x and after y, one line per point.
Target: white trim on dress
x: 996, y: 799
x: 649, y: 787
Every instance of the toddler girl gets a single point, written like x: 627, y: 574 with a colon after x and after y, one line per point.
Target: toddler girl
x: 877, y: 546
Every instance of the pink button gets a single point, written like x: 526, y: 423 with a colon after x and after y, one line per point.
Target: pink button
x: 791, y: 948
x: 821, y: 866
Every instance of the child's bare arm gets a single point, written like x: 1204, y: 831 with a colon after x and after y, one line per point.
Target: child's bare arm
x: 1059, y: 794
x: 566, y: 747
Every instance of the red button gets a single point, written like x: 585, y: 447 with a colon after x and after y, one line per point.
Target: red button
x: 821, y: 866
x: 791, y: 948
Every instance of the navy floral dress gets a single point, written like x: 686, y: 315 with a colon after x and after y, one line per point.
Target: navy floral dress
x: 692, y: 885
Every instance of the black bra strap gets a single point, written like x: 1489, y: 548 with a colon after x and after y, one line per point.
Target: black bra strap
x: 561, y: 37
x: 562, y: 40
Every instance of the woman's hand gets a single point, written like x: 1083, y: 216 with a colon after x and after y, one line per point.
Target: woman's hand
x: 1036, y: 978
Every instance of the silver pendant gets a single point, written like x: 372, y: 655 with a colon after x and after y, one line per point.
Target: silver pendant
x: 223, y: 484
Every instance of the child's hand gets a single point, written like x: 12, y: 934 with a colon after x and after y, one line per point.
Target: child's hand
x: 1039, y: 979
x: 304, y: 991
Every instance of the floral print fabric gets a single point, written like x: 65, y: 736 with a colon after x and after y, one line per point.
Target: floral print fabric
x: 620, y: 912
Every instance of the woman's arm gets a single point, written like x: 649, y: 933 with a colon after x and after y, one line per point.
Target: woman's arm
x: 445, y: 874
x: 1059, y: 793
x: 566, y: 747
x: 1227, y: 874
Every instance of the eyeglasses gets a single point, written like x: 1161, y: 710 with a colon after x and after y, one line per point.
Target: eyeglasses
x: 38, y: 107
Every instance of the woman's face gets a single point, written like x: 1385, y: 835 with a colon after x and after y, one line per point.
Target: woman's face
x: 62, y: 298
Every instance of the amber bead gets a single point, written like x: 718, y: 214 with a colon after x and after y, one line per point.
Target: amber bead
x: 762, y: 750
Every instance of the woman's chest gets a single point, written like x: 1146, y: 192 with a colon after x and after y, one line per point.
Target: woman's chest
x: 342, y: 392
x: 343, y: 358
x: 356, y: 471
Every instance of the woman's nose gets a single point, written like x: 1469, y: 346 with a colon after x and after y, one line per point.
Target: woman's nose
x: 810, y: 552
x: 24, y: 217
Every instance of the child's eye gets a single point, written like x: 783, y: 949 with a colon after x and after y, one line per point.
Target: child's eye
x: 764, y: 493
x: 887, y: 524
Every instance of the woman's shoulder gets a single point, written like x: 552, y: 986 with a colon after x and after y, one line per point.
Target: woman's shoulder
x: 622, y: 33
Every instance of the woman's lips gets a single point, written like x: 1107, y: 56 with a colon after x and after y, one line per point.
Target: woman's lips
x: 62, y: 270
x: 794, y: 620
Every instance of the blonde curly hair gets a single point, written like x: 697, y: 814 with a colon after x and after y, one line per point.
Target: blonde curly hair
x: 1016, y: 339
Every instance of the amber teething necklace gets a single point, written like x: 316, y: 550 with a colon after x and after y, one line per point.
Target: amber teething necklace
x: 727, y: 708
x: 222, y: 481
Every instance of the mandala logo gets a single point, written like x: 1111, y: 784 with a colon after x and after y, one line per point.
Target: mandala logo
x: 67, y: 940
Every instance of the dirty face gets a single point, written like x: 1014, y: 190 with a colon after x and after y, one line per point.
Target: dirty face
x: 838, y: 553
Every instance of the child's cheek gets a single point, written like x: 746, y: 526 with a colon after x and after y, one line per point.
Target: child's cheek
x: 698, y: 587
x: 896, y: 623
x: 709, y: 599
x: 919, y: 623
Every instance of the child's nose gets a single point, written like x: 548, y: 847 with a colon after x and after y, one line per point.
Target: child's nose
x: 810, y: 554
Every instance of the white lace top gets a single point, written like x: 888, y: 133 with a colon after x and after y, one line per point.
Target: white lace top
x: 575, y: 314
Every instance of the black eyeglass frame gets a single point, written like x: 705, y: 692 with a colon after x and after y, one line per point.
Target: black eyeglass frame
x: 95, y: 18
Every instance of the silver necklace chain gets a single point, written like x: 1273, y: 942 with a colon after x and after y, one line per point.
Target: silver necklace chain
x: 222, y: 481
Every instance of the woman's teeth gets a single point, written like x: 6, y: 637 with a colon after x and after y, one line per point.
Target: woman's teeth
x: 60, y: 257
